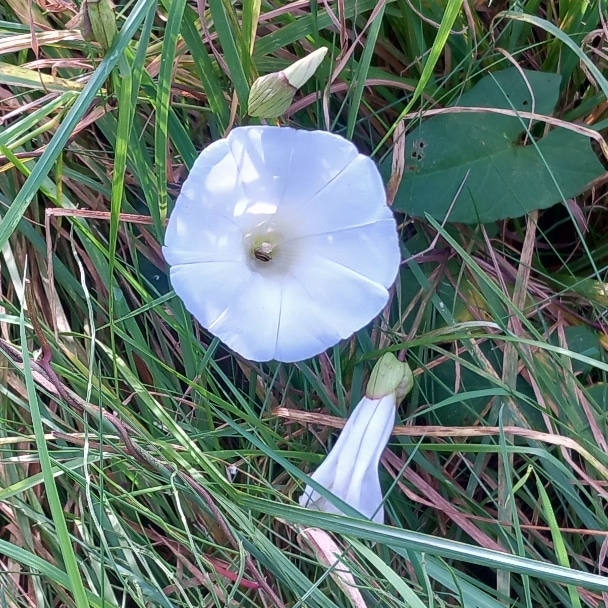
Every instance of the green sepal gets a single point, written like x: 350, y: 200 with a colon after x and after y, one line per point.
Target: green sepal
x: 270, y: 96
x: 390, y: 376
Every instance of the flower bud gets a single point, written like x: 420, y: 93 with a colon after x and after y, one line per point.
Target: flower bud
x: 271, y: 95
x: 390, y: 376
x: 300, y: 72
x: 350, y: 470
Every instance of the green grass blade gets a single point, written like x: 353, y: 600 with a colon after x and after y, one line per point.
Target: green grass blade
x: 163, y: 105
x: 231, y: 40
x: 57, y: 144
x: 415, y: 541
x: 449, y: 17
x: 560, y: 547
x: 600, y: 78
x: 46, y: 569
x: 76, y: 585
x: 360, y: 76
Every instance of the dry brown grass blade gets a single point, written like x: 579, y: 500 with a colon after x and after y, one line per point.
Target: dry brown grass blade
x: 398, y: 163
x: 22, y: 42
x: 442, y: 432
x: 327, y: 551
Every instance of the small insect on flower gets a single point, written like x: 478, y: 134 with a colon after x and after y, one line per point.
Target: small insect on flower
x: 263, y: 253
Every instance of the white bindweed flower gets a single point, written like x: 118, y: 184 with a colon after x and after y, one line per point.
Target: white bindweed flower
x: 350, y: 470
x: 281, y: 242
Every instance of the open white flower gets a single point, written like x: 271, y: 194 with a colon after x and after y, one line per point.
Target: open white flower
x: 281, y: 242
x: 350, y: 470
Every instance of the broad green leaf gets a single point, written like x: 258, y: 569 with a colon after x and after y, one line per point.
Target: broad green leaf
x: 484, y: 162
x: 583, y: 340
x: 599, y: 393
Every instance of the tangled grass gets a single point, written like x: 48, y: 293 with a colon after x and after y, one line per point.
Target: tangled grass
x: 143, y: 465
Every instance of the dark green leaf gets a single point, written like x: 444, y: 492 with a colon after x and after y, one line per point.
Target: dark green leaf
x: 501, y: 175
x: 583, y: 340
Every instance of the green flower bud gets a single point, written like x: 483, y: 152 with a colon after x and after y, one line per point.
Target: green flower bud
x: 271, y: 95
x: 390, y: 376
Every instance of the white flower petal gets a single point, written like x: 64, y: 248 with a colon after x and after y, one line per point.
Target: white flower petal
x: 350, y: 471
x: 213, y: 184
x: 272, y: 319
x: 349, y: 300
x: 195, y: 235
x: 204, y: 288
x: 250, y: 324
x: 262, y: 156
x: 282, y: 167
x: 371, y: 250
x: 304, y: 330
x: 317, y: 158
x: 355, y: 197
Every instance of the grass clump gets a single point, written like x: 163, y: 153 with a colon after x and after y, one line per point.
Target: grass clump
x: 156, y: 468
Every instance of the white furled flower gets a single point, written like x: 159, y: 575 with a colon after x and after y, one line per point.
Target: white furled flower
x: 271, y: 95
x: 281, y: 242
x: 350, y: 470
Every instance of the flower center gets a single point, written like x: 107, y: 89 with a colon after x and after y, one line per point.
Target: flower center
x: 264, y: 248
x: 263, y: 252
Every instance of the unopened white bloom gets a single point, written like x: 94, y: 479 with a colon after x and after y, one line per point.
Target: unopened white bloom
x: 271, y: 95
x: 281, y: 242
x: 350, y: 470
